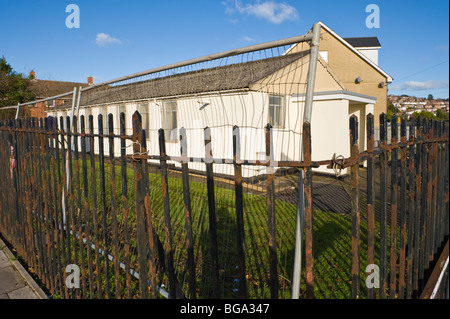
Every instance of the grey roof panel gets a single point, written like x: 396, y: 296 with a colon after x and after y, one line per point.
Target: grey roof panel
x: 363, y: 42
x: 228, y: 77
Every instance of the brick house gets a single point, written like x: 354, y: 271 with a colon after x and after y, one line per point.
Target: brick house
x: 47, y: 88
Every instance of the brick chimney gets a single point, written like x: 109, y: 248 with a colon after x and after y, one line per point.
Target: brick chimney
x: 32, y: 75
x: 90, y: 80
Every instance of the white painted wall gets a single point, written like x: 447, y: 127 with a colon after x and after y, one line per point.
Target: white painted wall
x: 248, y: 110
x: 329, y: 131
x: 370, y: 53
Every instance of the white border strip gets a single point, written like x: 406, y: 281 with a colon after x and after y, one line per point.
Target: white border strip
x: 438, y: 283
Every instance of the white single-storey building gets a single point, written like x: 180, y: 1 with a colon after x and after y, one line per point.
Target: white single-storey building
x: 248, y: 94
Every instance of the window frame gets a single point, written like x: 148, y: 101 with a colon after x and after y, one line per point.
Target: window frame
x: 282, y: 112
x: 167, y: 131
x: 146, y: 127
x: 117, y: 117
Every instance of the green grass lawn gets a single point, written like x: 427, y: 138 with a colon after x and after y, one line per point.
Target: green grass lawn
x: 331, y: 245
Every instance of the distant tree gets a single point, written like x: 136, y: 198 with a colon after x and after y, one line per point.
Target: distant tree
x: 441, y: 115
x: 5, y: 67
x: 425, y: 114
x: 13, y: 87
x: 391, y: 110
x: 430, y: 97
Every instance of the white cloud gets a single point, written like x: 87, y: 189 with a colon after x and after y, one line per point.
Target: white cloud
x: 248, y: 39
x: 103, y: 40
x: 272, y: 11
x: 416, y: 85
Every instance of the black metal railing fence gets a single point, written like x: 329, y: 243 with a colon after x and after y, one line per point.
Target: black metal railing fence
x: 134, y: 230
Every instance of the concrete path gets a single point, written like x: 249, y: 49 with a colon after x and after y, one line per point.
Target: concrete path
x: 15, y: 282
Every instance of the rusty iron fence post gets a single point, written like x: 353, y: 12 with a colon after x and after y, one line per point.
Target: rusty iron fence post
x: 104, y: 209
x: 440, y: 173
x: 417, y: 204
x: 434, y: 213
x: 86, y: 211
x: 140, y: 190
x: 125, y: 205
x: 271, y: 221
x: 147, y: 240
x: 95, y: 207
x: 309, y: 257
x: 355, y: 212
x: 212, y: 213
x: 429, y: 196
x: 446, y: 178
x: 239, y: 212
x: 383, y: 205
x: 424, y: 203
x: 78, y: 216
x: 16, y: 181
x: 411, y: 210
x: 403, y: 228
x: 167, y: 221
x: 187, y: 214
x: 370, y: 198
x: 46, y: 203
x: 394, y: 208
x: 113, y: 199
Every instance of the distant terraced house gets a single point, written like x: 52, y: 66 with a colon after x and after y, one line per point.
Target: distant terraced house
x: 47, y: 88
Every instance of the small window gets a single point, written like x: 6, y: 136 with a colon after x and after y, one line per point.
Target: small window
x: 276, y: 110
x: 170, y: 121
x: 143, y: 110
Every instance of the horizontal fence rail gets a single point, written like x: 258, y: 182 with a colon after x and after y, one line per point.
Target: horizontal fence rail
x: 135, y: 226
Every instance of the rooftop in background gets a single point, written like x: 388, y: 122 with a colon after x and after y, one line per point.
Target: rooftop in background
x: 48, y: 88
x: 363, y: 42
x: 368, y: 46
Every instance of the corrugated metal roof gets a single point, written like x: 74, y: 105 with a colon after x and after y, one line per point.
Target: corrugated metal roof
x: 222, y: 78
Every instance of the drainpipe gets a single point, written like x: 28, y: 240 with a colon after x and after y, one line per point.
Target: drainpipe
x: 311, y: 79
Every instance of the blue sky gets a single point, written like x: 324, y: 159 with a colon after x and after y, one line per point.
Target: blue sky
x: 116, y: 38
